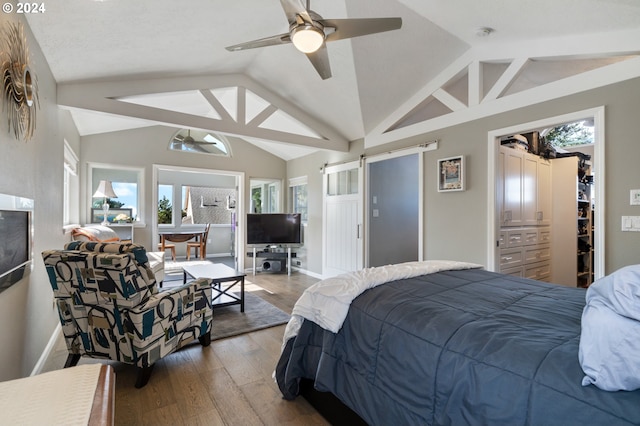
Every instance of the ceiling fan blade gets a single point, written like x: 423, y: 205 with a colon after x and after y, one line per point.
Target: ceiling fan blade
x: 292, y: 8
x: 320, y: 61
x: 263, y: 42
x: 349, y: 28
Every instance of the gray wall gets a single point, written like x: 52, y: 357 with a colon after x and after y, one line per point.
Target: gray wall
x: 33, y: 169
x: 455, y: 222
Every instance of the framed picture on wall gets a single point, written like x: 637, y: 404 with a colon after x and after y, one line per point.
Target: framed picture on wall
x: 98, y: 214
x: 451, y: 174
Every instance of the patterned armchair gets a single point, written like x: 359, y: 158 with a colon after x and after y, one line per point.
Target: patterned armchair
x: 110, y: 307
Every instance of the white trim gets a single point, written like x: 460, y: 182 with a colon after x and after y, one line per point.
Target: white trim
x: 493, y: 141
x: 46, y: 353
x: 297, y: 181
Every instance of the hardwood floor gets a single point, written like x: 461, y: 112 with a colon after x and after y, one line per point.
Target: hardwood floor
x: 227, y: 383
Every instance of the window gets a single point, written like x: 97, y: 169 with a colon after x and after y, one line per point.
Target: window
x: 298, y: 193
x: 200, y: 142
x: 165, y: 204
x: 70, y: 186
x: 127, y: 183
x: 343, y: 182
x: 265, y: 196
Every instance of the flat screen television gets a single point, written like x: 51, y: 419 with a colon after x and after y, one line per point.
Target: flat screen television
x: 273, y: 228
x: 15, y: 240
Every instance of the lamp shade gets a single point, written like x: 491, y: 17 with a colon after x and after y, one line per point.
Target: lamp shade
x: 105, y: 190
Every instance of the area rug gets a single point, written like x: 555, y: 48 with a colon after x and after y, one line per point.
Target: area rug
x: 258, y: 314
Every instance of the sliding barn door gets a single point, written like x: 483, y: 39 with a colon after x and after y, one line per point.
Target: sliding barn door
x: 343, y: 242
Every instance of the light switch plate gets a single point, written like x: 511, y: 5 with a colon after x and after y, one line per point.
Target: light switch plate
x: 634, y: 198
x: 631, y: 223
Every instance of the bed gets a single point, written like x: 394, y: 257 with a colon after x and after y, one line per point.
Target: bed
x: 448, y: 344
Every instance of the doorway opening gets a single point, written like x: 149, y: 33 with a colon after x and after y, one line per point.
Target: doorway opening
x: 189, y: 199
x: 565, y: 204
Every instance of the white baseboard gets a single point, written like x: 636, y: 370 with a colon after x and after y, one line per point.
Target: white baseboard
x: 47, y: 351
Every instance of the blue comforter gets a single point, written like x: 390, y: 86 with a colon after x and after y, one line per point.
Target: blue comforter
x: 457, y: 347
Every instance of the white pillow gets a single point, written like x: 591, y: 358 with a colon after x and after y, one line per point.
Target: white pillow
x: 609, y: 350
x: 98, y: 233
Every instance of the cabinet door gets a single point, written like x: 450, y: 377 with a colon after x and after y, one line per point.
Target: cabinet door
x: 513, y: 172
x: 544, y: 192
x: 530, y: 190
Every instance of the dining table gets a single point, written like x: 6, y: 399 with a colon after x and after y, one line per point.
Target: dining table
x: 179, y: 237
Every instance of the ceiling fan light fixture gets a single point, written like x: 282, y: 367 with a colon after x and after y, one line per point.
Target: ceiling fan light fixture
x: 307, y: 38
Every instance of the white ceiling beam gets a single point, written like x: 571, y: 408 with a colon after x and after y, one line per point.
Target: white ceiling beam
x: 241, y: 108
x: 94, y: 96
x: 506, y: 79
x: 599, y: 77
x: 262, y: 116
x: 449, y: 100
x: 177, y: 119
x: 423, y: 93
x: 216, y: 105
x: 476, y: 89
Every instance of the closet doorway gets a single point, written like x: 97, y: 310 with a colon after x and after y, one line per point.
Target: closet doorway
x: 567, y: 201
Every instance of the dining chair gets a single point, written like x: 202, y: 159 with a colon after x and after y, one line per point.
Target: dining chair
x: 171, y: 247
x: 200, y: 245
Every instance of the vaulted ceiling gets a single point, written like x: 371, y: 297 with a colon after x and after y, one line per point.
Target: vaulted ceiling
x: 123, y: 64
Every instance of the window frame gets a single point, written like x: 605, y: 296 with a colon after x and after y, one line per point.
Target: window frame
x: 294, y: 185
x: 113, y: 169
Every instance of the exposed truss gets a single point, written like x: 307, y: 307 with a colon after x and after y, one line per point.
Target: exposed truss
x: 231, y: 104
x: 479, y: 84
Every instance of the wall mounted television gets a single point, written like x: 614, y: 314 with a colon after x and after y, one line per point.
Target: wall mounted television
x: 274, y: 228
x: 16, y: 235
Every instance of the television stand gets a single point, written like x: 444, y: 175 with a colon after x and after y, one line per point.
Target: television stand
x: 273, y: 260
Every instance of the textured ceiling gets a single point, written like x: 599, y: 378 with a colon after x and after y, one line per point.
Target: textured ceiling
x: 118, y: 40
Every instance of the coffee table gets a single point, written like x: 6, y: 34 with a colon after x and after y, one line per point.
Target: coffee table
x: 219, y: 274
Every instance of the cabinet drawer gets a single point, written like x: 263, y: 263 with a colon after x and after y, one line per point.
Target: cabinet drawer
x: 514, y: 272
x: 544, y: 235
x: 537, y: 253
x: 530, y: 236
x: 502, y: 239
x: 509, y: 258
x: 538, y: 271
x: 515, y: 238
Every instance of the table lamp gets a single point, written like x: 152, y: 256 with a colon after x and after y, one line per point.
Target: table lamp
x: 105, y: 190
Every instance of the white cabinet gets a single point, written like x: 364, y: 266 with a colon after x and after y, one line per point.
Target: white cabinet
x: 526, y: 252
x: 524, y: 188
x: 124, y: 230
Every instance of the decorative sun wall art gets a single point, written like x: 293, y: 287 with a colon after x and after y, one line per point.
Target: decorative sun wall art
x: 19, y: 84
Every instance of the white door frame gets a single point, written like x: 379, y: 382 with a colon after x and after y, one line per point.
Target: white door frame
x: 493, y: 140
x: 240, y: 223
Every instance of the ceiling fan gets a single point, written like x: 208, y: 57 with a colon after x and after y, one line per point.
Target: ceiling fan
x: 309, y: 33
x: 188, y: 143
